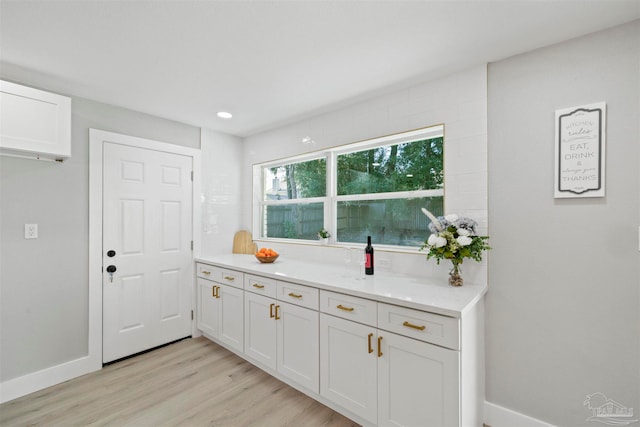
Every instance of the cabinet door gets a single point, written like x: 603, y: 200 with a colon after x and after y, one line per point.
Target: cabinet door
x: 260, y: 329
x: 348, y: 366
x: 298, y: 342
x: 207, y: 308
x: 231, y: 317
x: 34, y: 121
x: 418, y: 383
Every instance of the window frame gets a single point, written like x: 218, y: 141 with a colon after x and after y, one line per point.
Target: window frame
x: 261, y: 203
x: 331, y: 198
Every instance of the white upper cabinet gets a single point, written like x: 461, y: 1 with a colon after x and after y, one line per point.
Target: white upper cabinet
x: 34, y: 123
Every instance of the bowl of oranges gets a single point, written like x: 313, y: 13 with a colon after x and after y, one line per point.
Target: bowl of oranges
x: 267, y: 255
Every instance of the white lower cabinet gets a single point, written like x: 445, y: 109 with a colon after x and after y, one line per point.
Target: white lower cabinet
x: 386, y: 378
x: 381, y: 364
x: 283, y: 337
x: 207, y: 308
x: 418, y: 383
x: 221, y: 312
x: 298, y: 342
x: 348, y: 366
x: 260, y: 329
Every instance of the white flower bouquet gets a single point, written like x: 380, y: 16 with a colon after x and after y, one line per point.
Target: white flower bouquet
x: 454, y: 238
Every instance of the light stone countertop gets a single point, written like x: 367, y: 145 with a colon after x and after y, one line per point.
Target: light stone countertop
x: 413, y: 292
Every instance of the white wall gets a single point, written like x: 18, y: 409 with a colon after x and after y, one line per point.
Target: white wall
x: 458, y: 101
x: 44, y: 282
x: 563, y: 308
x: 221, y: 191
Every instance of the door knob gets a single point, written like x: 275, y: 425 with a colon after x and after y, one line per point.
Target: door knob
x: 111, y: 269
x: 111, y: 253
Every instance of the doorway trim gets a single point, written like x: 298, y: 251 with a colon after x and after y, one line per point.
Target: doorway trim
x: 96, y: 140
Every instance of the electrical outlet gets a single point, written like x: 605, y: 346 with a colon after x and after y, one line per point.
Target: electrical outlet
x: 31, y: 231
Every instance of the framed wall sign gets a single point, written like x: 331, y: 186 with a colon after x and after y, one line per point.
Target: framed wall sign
x: 580, y: 151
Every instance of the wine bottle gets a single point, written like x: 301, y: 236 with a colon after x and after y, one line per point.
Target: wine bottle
x: 368, y: 257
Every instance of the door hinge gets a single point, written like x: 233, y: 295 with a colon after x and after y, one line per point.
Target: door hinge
x: 192, y: 246
x: 191, y: 176
x: 191, y: 314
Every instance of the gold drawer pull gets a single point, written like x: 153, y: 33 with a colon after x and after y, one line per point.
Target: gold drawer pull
x: 255, y: 285
x: 369, y: 342
x: 271, y: 316
x: 277, y: 312
x: 206, y: 272
x: 379, y: 347
x: 411, y: 325
x: 342, y: 307
x: 230, y: 278
x: 292, y: 295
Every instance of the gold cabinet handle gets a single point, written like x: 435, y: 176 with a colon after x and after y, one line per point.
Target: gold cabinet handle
x: 379, y: 347
x: 342, y: 307
x: 277, y: 312
x: 213, y: 291
x: 271, y: 316
x: 255, y: 285
x: 292, y: 295
x: 229, y: 278
x: 217, y: 291
x: 369, y: 342
x: 206, y: 272
x: 411, y: 325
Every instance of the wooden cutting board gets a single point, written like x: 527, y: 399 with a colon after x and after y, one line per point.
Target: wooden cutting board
x: 243, y: 243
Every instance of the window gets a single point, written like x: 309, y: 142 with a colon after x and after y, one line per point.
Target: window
x: 376, y: 188
x: 293, y: 199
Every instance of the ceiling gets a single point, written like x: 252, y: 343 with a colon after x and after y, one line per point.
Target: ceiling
x: 272, y: 62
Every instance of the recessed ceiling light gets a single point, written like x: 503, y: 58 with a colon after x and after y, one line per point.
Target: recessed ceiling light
x: 224, y: 115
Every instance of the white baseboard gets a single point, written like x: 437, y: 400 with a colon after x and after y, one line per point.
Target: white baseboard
x: 498, y: 416
x: 21, y: 386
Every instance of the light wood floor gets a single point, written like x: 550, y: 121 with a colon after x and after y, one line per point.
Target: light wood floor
x: 190, y: 383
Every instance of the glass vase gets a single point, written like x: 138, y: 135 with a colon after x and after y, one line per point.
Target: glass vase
x: 455, y: 275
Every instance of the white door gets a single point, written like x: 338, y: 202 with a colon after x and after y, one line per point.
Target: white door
x: 231, y: 317
x: 349, y: 366
x: 418, y: 383
x: 207, y: 307
x: 260, y: 329
x: 147, y: 223
x: 298, y: 355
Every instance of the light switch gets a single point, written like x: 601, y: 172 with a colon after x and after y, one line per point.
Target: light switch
x: 31, y: 231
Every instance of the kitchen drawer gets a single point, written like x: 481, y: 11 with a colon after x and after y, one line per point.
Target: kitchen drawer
x: 421, y: 325
x: 220, y: 275
x: 260, y: 285
x: 303, y: 296
x: 348, y: 307
x: 232, y: 278
x: 208, y: 272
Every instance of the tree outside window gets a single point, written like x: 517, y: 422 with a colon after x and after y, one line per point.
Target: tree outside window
x: 379, y: 189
